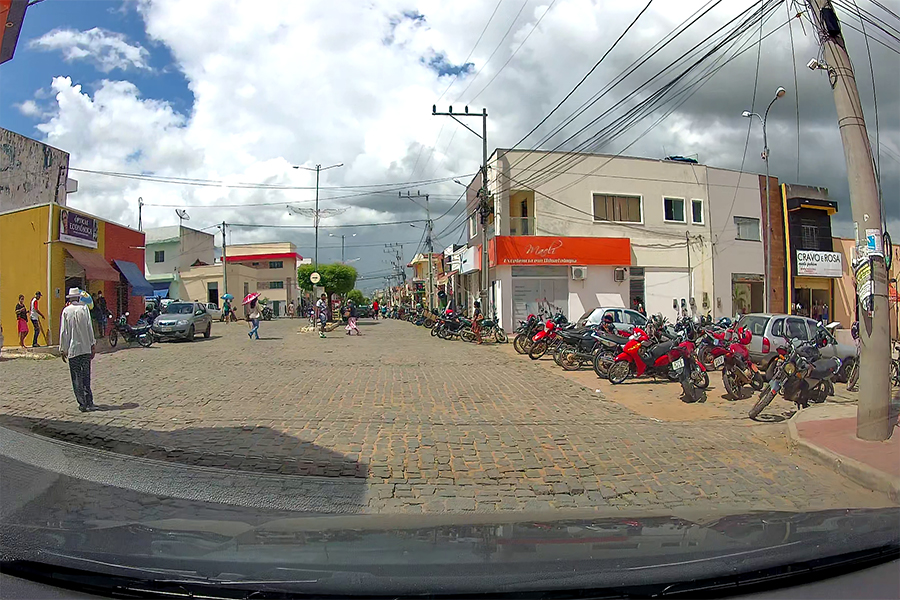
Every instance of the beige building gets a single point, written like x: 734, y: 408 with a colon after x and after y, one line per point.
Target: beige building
x: 275, y: 265
x: 206, y: 283
x: 171, y: 252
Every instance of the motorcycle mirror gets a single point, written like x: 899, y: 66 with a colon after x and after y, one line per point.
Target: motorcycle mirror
x: 126, y: 314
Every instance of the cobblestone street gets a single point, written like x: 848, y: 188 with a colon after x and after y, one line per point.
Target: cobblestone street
x: 429, y: 426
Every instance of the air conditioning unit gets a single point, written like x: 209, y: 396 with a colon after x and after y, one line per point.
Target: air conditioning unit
x: 579, y: 273
x: 619, y: 275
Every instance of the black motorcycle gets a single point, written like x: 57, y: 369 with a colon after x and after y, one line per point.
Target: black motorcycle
x: 140, y: 333
x: 802, y: 377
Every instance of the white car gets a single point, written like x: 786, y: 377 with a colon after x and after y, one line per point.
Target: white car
x: 214, y: 311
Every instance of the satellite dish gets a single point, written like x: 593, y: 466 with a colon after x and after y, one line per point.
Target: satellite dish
x: 182, y: 214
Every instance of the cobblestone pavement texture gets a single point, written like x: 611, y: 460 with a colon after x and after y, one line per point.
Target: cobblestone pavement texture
x: 429, y: 425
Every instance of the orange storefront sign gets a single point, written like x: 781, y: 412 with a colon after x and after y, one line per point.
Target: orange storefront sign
x: 551, y: 250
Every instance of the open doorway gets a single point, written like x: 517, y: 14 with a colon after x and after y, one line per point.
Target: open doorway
x: 212, y: 292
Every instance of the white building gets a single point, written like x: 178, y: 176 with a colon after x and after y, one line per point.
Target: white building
x: 171, y: 251
x: 576, y: 231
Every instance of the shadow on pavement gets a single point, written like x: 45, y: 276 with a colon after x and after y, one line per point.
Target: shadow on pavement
x: 112, y: 407
x: 254, y: 449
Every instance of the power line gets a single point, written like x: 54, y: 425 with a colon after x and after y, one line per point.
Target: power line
x: 263, y: 225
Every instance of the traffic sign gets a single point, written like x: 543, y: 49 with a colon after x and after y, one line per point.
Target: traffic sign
x: 315, y: 277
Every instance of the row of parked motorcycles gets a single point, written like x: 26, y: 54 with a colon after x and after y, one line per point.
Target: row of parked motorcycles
x: 684, y: 351
x: 451, y: 325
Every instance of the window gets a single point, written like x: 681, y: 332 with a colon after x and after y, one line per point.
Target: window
x: 778, y: 327
x: 809, y: 236
x: 635, y: 319
x: 256, y: 264
x: 472, y: 226
x: 276, y: 285
x: 616, y: 315
x: 796, y: 328
x: 697, y: 211
x: 276, y: 264
x: 756, y: 325
x: 159, y: 256
x: 626, y: 209
x: 747, y: 228
x: 674, y: 209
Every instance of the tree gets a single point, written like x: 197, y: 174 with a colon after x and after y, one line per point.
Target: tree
x: 357, y: 298
x: 337, y: 278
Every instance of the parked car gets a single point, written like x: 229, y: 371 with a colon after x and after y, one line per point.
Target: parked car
x: 183, y: 320
x: 773, y: 331
x: 214, y: 311
x: 623, y: 318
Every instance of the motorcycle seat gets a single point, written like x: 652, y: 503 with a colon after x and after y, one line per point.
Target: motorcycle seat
x: 825, y: 367
x: 617, y: 339
x: 660, y: 349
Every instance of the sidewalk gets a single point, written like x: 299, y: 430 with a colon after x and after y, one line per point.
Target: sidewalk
x: 827, y: 434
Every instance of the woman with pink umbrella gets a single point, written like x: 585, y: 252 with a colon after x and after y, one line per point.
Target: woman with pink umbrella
x: 255, y: 315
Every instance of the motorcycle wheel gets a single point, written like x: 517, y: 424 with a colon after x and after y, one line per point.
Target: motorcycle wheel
x: 569, y: 360
x: 518, y: 343
x: 764, y: 399
x: 467, y: 335
x: 145, y: 340
x: 436, y: 330
x: 699, y: 378
x: 619, y: 371
x: 500, y: 336
x: 429, y: 323
x: 688, y: 392
x: 827, y: 389
x: 853, y: 376
x: 538, y: 349
x: 895, y: 373
x: 113, y: 338
x: 732, y: 387
x: 706, y: 359
x: 556, y: 353
x: 602, y: 363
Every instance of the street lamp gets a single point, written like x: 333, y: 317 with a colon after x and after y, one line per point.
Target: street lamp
x: 318, y: 169
x: 342, y: 243
x: 779, y: 93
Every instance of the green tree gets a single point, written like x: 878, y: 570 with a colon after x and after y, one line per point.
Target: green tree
x: 357, y: 297
x: 337, y: 278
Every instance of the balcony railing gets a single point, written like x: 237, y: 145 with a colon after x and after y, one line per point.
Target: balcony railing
x: 521, y: 225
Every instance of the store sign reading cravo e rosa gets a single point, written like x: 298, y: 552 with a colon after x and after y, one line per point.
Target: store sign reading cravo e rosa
x: 78, y: 229
x: 813, y: 263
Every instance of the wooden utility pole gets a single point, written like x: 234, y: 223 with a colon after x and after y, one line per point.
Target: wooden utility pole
x: 874, y: 318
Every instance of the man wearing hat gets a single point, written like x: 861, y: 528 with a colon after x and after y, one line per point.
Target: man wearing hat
x: 76, y: 344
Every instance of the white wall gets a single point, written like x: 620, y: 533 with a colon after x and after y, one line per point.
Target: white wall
x: 599, y: 288
x: 661, y: 286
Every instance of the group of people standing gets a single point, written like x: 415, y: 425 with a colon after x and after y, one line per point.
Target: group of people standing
x: 34, y: 314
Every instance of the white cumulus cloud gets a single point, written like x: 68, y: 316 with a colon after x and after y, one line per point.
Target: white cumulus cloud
x: 108, y: 50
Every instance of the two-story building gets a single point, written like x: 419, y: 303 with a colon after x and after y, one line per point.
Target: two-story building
x: 170, y: 252
x: 276, y: 266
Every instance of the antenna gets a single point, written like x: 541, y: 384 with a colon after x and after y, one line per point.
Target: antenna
x: 182, y: 214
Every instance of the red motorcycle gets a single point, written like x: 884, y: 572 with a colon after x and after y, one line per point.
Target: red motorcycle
x: 673, y: 359
x: 737, y: 368
x: 544, y: 340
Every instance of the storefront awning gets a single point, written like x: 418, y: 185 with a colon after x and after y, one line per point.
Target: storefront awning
x: 95, y: 266
x: 161, y: 289
x: 139, y: 284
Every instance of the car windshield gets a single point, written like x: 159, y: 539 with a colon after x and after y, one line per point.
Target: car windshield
x: 285, y: 166
x: 177, y: 308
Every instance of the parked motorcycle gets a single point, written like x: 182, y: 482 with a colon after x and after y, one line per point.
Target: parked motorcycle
x: 525, y: 331
x: 547, y: 339
x: 140, y: 333
x: 737, y: 368
x: 802, y: 377
x: 673, y: 359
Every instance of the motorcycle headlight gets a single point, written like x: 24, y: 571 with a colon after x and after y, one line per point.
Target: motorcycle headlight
x: 790, y: 368
x: 183, y: 322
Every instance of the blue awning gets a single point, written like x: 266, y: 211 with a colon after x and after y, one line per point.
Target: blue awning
x: 139, y: 284
x: 161, y: 290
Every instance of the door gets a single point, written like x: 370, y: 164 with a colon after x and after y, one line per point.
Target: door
x: 212, y: 292
x: 530, y: 296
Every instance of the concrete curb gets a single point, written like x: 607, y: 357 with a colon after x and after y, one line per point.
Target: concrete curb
x: 858, y: 472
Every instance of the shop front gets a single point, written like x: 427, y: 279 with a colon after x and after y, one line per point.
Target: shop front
x: 567, y: 274
x: 811, y: 288
x: 747, y: 290
x: 51, y: 248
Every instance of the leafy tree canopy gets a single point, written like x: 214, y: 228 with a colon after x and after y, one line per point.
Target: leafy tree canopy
x: 337, y: 278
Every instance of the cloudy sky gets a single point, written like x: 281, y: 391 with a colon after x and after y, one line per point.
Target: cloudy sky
x: 237, y: 92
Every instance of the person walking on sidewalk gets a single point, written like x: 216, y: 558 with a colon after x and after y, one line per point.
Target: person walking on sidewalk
x: 352, y: 318
x: 477, y: 316
x: 375, y: 309
x: 22, y: 320
x: 36, y: 315
x: 77, y: 345
x: 255, y: 317
x: 322, y: 314
x: 101, y: 313
x: 290, y: 309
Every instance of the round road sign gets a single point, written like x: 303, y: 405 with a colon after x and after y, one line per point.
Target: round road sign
x: 315, y: 277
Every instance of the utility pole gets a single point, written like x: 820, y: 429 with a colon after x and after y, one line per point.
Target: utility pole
x: 484, y: 208
x: 873, y: 411
x: 317, y: 215
x: 140, y: 211
x: 429, y: 242
x: 687, y: 244
x: 224, y: 261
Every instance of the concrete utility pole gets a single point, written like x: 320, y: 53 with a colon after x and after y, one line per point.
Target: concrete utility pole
x: 140, y: 211
x: 484, y: 208
x: 872, y: 421
x: 429, y: 242
x: 224, y: 261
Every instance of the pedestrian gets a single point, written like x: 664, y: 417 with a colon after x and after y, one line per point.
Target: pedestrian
x: 290, y: 309
x: 226, y: 310
x: 825, y: 313
x: 638, y: 303
x: 476, y: 321
x: 255, y: 316
x: 101, y: 313
x: 375, y: 309
x: 36, y: 315
x: 352, y: 316
x: 322, y: 314
x: 77, y: 347
x: 22, y: 320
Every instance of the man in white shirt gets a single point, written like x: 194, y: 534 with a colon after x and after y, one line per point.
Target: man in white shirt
x: 77, y: 345
x: 322, y: 313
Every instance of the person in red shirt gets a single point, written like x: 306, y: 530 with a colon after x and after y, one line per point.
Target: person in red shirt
x: 375, y: 309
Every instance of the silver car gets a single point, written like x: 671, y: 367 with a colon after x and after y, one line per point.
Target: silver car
x: 183, y: 320
x: 774, y: 331
x: 623, y: 318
